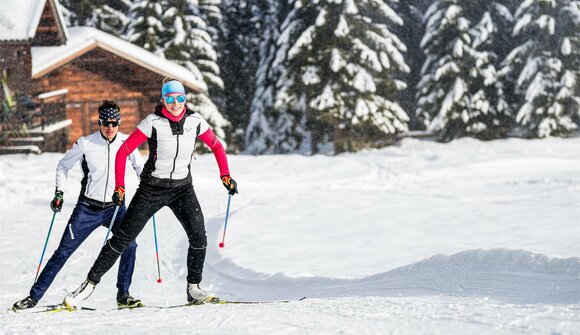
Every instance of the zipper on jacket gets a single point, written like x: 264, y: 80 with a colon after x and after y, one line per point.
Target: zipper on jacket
x: 174, y: 159
x: 108, y: 168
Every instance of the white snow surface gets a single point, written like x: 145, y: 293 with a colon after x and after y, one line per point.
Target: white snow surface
x: 468, y: 237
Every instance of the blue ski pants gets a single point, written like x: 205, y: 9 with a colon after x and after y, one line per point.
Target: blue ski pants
x: 84, y: 220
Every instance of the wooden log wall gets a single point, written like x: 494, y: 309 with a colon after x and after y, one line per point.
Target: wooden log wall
x: 97, y: 76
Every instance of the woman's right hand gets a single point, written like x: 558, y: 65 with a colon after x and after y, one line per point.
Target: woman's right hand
x: 119, y: 195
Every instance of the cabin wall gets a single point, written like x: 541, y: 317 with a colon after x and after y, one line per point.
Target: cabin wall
x: 98, y: 76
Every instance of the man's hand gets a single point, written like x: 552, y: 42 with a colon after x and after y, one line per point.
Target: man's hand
x: 119, y: 195
x: 57, y: 201
x: 230, y: 184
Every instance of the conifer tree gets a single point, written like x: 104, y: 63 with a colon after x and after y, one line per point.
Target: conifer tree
x: 460, y: 93
x: 146, y: 28
x: 511, y: 5
x: 174, y: 30
x: 188, y: 43
x: 343, y: 70
x: 277, y: 122
x: 545, y: 67
x: 110, y: 16
x: 411, y: 32
x: 239, y: 37
x: 211, y: 13
x: 263, y: 133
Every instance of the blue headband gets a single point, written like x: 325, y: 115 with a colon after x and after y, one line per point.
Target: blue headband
x: 172, y: 87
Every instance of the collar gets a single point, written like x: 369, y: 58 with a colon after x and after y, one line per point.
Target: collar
x: 174, y: 118
x: 106, y: 139
x: 162, y: 112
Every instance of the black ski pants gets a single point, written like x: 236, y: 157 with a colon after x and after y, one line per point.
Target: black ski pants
x: 146, y: 202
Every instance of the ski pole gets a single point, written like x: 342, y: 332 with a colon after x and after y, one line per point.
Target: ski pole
x: 111, y: 224
x: 156, y: 251
x: 221, y: 245
x: 44, y: 249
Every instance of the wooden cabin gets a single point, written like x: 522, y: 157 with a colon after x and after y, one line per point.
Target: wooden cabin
x: 27, y: 24
x: 23, y: 26
x: 66, y: 73
x: 95, y: 66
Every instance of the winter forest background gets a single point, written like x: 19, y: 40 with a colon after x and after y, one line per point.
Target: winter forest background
x: 351, y: 74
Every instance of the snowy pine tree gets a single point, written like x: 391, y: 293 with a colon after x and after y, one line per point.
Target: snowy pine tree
x: 174, y: 30
x: 411, y: 32
x: 238, y: 58
x: 502, y: 17
x: 110, y: 16
x: 146, y: 27
x: 268, y: 129
x: 460, y: 93
x: 512, y: 5
x: 202, y: 104
x: 343, y: 70
x: 188, y: 43
x: 545, y: 67
x: 212, y: 15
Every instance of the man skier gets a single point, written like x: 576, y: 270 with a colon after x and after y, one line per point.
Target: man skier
x: 93, y: 209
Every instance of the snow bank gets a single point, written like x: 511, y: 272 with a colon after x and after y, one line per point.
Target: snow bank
x: 513, y: 276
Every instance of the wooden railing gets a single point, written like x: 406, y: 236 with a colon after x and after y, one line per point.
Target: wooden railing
x: 52, y: 107
x: 48, y: 108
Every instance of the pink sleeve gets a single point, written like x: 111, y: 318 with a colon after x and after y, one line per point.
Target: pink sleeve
x: 131, y: 143
x: 216, y: 146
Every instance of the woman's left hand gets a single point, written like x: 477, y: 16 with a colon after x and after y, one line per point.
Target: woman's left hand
x: 230, y: 184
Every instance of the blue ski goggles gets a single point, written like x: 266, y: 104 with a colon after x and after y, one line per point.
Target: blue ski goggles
x: 171, y: 99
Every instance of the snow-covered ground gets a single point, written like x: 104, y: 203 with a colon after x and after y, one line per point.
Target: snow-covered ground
x: 423, y: 238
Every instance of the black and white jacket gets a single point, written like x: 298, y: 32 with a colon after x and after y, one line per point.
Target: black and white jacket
x: 97, y: 157
x: 171, y: 147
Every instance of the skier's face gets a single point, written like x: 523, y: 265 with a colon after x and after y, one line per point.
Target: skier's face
x: 109, y: 128
x: 174, y: 103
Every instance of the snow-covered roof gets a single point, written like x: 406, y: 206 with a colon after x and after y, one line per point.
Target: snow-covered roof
x: 84, y: 39
x: 19, y: 19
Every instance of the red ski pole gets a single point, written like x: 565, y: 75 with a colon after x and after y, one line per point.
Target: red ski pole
x: 156, y: 251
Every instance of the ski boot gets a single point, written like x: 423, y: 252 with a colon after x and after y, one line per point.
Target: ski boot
x: 125, y: 300
x: 197, y: 296
x: 82, y: 293
x: 25, y: 303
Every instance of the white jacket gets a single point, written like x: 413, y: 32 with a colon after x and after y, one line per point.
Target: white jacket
x: 171, y: 147
x: 97, y: 157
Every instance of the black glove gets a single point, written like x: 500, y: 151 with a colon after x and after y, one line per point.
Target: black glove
x: 119, y: 195
x: 57, y: 201
x: 230, y: 184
